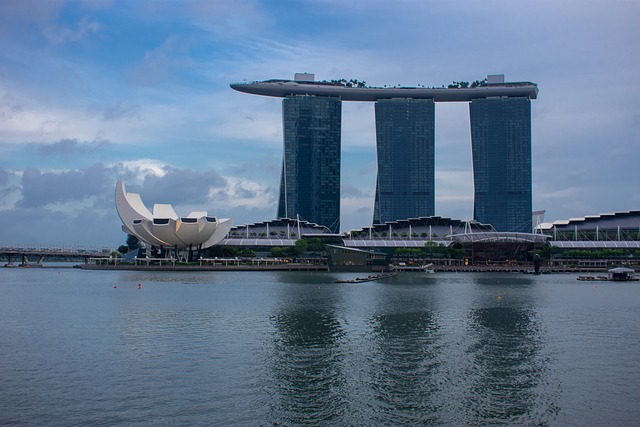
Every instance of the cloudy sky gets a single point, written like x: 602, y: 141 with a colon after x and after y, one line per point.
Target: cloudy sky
x: 97, y: 90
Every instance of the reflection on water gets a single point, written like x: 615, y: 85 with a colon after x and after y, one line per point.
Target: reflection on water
x: 507, y: 366
x: 404, y: 367
x: 507, y: 369
x: 307, y: 359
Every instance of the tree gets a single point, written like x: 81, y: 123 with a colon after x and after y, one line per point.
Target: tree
x: 277, y: 252
x: 301, y: 246
x: 132, y: 242
x: 315, y: 245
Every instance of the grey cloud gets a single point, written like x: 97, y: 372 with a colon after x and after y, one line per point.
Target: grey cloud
x: 86, y: 228
x: 269, y: 164
x: 58, y: 34
x: 6, y: 189
x: 9, y: 109
x: 160, y: 64
x: 121, y: 110
x: 4, y: 176
x: 364, y: 210
x: 40, y: 189
x: 179, y: 186
x: 22, y: 19
x: 349, y: 190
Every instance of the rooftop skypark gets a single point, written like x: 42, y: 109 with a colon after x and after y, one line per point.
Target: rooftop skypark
x: 353, y: 90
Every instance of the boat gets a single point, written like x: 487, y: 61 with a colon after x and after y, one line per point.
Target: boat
x: 593, y: 278
x: 622, y: 274
x: 368, y: 278
x: 619, y: 274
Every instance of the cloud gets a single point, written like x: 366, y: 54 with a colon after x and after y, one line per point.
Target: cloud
x: 84, y: 227
x: 137, y: 170
x: 229, y: 19
x: 44, y: 188
x: 161, y: 64
x: 244, y: 193
x: 121, y: 110
x: 70, y: 147
x: 24, y: 18
x: 4, y: 177
x: 58, y: 34
x: 180, y: 186
x: 349, y: 190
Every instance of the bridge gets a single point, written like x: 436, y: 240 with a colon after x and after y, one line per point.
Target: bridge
x: 25, y: 254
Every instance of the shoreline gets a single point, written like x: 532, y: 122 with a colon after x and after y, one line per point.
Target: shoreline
x: 277, y: 267
x: 325, y: 268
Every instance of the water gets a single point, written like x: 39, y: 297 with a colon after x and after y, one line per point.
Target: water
x: 288, y: 349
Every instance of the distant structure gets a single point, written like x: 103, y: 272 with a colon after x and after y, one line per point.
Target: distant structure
x: 405, y: 131
x: 164, y: 229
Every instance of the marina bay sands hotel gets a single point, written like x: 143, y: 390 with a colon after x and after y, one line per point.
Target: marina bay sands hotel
x: 500, y: 116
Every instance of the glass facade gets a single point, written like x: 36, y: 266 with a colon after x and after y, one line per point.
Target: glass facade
x: 405, y: 134
x: 501, y: 149
x: 310, y: 182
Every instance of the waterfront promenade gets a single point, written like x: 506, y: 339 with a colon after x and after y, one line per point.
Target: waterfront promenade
x: 324, y: 267
x: 206, y: 267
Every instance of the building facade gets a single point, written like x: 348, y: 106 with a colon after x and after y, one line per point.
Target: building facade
x: 405, y: 136
x: 501, y: 150
x: 310, y: 181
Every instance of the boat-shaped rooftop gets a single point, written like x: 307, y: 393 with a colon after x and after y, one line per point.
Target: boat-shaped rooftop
x: 282, y: 88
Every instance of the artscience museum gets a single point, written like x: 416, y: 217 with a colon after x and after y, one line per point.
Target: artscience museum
x: 164, y: 229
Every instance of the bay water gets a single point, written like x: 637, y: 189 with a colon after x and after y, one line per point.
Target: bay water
x: 295, y: 348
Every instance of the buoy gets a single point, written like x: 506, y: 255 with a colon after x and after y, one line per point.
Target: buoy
x: 139, y: 286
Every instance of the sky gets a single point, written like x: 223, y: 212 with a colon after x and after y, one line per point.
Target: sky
x: 99, y: 90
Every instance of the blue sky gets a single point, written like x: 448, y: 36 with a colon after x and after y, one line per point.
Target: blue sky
x: 93, y: 91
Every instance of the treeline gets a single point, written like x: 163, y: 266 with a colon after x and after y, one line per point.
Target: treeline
x: 302, y: 246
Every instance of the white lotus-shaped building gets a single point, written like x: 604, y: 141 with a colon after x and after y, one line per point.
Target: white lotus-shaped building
x: 163, y: 227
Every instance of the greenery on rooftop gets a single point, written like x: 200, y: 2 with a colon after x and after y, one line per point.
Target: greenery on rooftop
x: 463, y: 85
x: 349, y: 83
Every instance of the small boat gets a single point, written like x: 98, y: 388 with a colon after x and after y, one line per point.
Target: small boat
x: 426, y: 268
x: 592, y: 278
x: 367, y: 278
x: 619, y: 274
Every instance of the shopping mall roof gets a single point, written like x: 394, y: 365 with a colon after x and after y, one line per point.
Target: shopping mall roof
x: 601, y: 244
